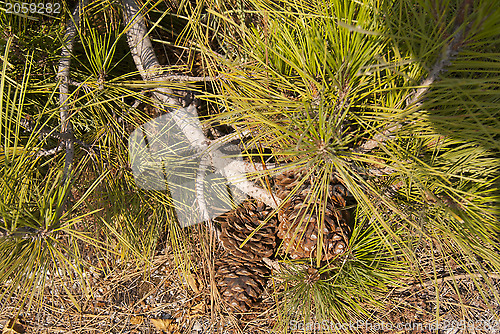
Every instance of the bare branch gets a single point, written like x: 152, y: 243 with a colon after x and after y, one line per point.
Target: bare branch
x: 41, y: 131
x: 185, y: 118
x: 200, y: 189
x: 63, y: 74
x: 45, y: 132
x: 379, y: 138
x: 414, y: 99
x: 438, y: 68
x: 251, y: 167
x: 235, y: 174
x: 55, y: 150
x: 140, y: 45
x: 187, y: 78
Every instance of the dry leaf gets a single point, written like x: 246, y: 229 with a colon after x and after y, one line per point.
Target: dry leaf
x: 137, y: 320
x: 13, y: 327
x: 198, y: 308
x: 191, y: 281
x: 166, y: 325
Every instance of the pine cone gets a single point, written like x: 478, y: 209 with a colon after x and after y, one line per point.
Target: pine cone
x: 300, y: 219
x: 237, y: 225
x: 240, y: 283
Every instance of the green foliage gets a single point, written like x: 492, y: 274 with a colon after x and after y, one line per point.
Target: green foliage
x: 315, y: 80
x: 38, y: 236
x: 348, y: 288
x: 53, y: 229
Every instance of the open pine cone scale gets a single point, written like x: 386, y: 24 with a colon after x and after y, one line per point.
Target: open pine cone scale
x: 303, y: 223
x: 238, y: 224
x: 241, y: 283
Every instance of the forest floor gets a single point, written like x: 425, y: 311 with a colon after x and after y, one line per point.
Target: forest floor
x: 159, y: 299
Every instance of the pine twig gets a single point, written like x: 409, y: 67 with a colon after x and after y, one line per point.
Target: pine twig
x: 438, y: 68
x: 414, y: 100
x: 52, y: 133
x: 42, y: 131
x: 187, y: 78
x: 379, y: 138
x: 52, y: 151
x: 63, y: 74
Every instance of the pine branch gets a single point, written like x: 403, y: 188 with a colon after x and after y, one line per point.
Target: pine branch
x: 187, y: 78
x: 45, y: 132
x: 64, y: 74
x: 45, y: 153
x: 379, y: 138
x: 414, y: 100
x: 186, y: 118
x: 42, y: 131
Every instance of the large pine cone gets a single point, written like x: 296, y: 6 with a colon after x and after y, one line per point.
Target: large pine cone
x: 237, y: 225
x: 300, y: 219
x: 240, y: 283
